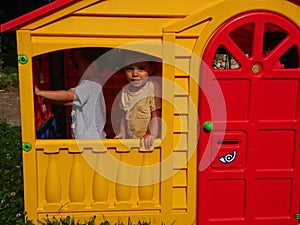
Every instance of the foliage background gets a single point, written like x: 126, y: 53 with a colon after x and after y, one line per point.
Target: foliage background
x: 10, y: 10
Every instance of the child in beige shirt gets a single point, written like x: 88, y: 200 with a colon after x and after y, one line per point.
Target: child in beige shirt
x: 140, y: 104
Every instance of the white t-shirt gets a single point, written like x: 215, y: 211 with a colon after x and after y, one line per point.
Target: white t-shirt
x: 88, y: 111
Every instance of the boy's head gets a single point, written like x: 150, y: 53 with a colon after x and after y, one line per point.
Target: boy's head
x: 138, y: 67
x: 80, y: 63
x: 137, y: 73
x: 131, y: 57
x: 82, y: 58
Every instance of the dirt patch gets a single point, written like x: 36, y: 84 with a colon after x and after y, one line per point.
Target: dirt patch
x: 10, y: 106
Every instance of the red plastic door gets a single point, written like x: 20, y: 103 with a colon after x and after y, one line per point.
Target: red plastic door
x: 254, y: 174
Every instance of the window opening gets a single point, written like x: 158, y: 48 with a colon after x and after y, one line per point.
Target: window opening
x: 290, y: 59
x: 243, y: 38
x: 273, y: 35
x: 58, y: 71
x: 224, y: 60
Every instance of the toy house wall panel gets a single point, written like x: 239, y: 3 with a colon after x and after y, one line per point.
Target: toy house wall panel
x: 93, y: 190
x: 135, y: 8
x: 150, y: 26
x: 126, y: 26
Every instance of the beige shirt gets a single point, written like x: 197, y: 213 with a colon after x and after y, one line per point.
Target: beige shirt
x: 138, y: 107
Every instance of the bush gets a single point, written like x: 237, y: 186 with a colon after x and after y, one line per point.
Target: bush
x: 8, y: 78
x: 11, y: 180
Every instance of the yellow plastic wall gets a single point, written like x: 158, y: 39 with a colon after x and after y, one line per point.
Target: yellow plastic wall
x: 57, y: 179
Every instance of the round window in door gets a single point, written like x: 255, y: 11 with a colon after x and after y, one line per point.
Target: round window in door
x: 255, y: 176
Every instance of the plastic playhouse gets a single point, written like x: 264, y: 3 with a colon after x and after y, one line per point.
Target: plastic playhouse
x: 230, y: 81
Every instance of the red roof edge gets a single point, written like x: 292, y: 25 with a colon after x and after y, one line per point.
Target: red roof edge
x: 35, y: 14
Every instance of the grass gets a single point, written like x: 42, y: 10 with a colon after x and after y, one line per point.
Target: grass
x: 11, y: 180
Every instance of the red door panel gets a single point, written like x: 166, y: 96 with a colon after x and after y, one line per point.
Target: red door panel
x: 253, y: 172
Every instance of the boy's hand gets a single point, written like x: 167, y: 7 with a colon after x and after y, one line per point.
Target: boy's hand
x: 120, y: 135
x: 37, y: 91
x: 147, y: 141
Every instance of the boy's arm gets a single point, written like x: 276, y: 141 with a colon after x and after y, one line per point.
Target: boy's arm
x: 154, y: 123
x: 57, y: 96
x: 121, y: 133
x: 152, y: 132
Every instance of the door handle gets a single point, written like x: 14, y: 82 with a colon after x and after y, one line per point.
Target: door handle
x: 208, y: 126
